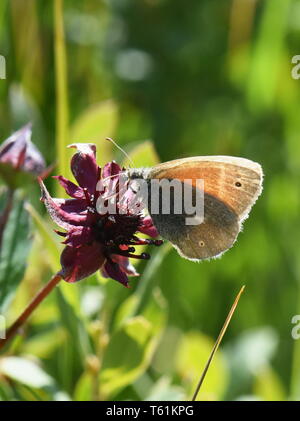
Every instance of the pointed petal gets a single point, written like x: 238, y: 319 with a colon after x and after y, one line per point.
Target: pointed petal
x: 47, y: 171
x: 108, y: 183
x: 148, y: 228
x: 34, y: 162
x: 71, y: 189
x: 62, y: 218
x: 112, y: 270
x: 79, y: 236
x: 125, y: 264
x: 15, y: 146
x: 77, y: 206
x: 85, y: 148
x: 84, y: 166
x: 111, y: 168
x: 62, y: 234
x: 21, y: 153
x: 79, y: 263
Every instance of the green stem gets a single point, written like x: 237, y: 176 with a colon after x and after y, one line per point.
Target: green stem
x: 62, y: 109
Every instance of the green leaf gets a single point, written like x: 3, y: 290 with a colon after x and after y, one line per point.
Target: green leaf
x: 126, y: 310
x: 127, y: 355
x: 26, y: 372
x: 15, y: 179
x: 73, y: 320
x: 85, y: 387
x: 6, y: 392
x: 163, y: 390
x: 136, y: 302
x: 70, y: 295
x: 46, y: 234
x: 31, y: 375
x: 268, y: 386
x: 143, y: 155
x: 3, y: 7
x: 252, y: 351
x: 94, y: 125
x: 268, y: 54
x: 156, y: 311
x: 42, y: 345
x: 191, y: 357
x: 91, y: 301
x: 74, y: 351
x: 14, y: 252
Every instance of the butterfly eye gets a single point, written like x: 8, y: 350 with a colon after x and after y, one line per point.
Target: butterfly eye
x: 201, y: 243
x: 238, y: 184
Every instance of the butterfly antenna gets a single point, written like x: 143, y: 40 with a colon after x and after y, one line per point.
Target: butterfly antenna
x: 120, y: 149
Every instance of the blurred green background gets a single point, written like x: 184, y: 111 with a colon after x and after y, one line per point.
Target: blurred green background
x: 166, y: 79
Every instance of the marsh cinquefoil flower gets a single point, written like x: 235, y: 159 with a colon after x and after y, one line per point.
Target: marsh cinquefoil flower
x: 96, y: 240
x: 18, y: 153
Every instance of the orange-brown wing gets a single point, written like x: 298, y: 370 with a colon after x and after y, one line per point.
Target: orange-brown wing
x: 231, y: 187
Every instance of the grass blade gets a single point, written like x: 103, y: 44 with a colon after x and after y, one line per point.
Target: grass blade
x: 217, y: 343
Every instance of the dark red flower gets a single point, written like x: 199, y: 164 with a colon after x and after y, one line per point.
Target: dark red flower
x: 97, y: 239
x: 21, y: 154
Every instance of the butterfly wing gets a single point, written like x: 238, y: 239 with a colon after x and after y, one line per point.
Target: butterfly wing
x: 231, y: 187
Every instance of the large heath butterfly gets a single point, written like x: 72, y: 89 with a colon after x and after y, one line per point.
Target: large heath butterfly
x: 230, y: 187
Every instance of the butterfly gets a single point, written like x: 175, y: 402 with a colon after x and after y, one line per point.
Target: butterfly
x: 231, y: 186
